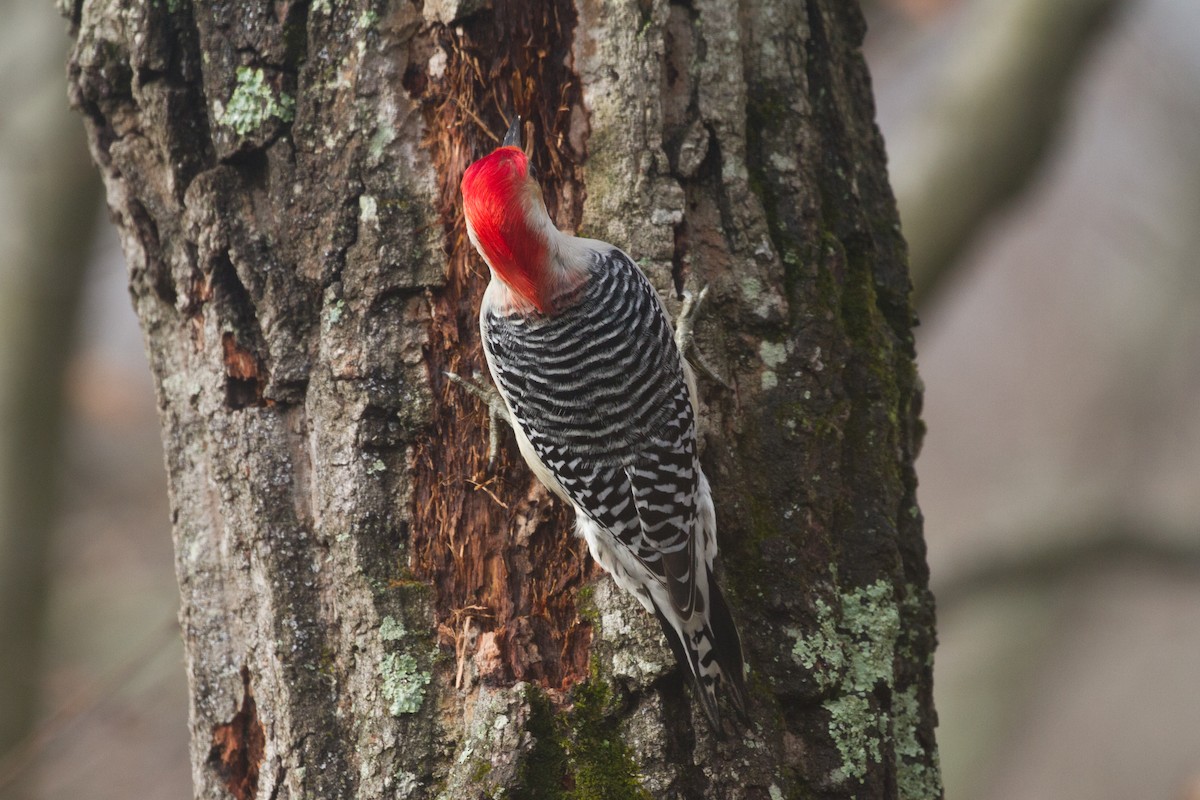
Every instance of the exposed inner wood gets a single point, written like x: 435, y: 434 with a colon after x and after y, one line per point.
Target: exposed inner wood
x: 498, y: 549
x: 238, y: 746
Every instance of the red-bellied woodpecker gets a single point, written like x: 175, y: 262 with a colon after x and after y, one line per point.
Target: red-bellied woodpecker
x: 604, y: 407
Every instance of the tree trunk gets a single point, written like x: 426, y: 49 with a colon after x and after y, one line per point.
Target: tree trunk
x: 370, y: 609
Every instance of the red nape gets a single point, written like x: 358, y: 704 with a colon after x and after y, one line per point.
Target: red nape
x: 497, y: 201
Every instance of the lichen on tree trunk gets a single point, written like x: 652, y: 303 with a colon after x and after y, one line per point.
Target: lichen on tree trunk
x: 369, y: 609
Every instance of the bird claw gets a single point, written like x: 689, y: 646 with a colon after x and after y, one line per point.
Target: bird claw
x: 685, y: 337
x: 497, y: 410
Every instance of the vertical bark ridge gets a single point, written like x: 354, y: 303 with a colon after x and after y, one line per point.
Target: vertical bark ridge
x: 665, y: 92
x: 840, y: 247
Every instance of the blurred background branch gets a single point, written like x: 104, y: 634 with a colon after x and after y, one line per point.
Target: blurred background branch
x: 995, y: 105
x: 1110, y: 543
x: 1061, y: 474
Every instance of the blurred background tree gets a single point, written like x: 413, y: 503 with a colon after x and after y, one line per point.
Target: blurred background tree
x: 48, y: 201
x: 1061, y: 473
x: 87, y: 594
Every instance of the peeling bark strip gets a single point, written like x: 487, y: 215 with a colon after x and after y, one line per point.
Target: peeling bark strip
x: 237, y: 747
x: 500, y: 553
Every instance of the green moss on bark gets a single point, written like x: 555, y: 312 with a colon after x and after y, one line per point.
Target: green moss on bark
x: 604, y: 768
x: 578, y: 754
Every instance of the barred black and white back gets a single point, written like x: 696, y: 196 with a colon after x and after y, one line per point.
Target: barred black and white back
x: 603, y: 407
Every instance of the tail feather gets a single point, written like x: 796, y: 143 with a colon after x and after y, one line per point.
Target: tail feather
x: 689, y: 658
x: 709, y: 647
x: 727, y: 644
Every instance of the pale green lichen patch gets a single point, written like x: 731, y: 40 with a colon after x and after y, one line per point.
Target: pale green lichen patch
x: 872, y: 620
x: 773, y: 354
x: 336, y: 312
x: 856, y: 730
x: 918, y: 777
x: 853, y: 653
x: 391, y: 629
x: 821, y: 652
x: 253, y: 103
x: 752, y: 289
x: 403, y: 683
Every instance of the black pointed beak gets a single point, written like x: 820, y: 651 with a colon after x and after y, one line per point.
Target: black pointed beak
x: 513, y: 137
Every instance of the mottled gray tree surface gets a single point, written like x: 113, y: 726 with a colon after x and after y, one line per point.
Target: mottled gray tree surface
x: 369, y: 609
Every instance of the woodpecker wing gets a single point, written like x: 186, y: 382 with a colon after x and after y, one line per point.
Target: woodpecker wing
x: 598, y: 389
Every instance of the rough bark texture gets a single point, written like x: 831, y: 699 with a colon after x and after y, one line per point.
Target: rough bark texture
x: 369, y: 610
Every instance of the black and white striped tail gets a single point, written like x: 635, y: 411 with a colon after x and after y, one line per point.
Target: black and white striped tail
x: 709, y: 649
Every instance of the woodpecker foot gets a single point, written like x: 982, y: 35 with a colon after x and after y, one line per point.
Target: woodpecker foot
x: 685, y: 338
x: 497, y: 410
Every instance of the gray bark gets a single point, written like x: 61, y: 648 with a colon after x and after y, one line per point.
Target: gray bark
x: 369, y: 609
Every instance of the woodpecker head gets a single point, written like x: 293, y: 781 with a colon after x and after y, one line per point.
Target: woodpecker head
x: 507, y: 220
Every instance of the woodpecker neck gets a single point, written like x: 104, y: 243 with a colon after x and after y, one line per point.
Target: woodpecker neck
x: 518, y: 252
x: 508, y: 224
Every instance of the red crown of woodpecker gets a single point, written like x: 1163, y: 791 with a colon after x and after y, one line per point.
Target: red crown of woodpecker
x: 499, y: 199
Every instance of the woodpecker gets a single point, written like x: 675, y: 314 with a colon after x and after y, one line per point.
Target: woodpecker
x: 603, y: 405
